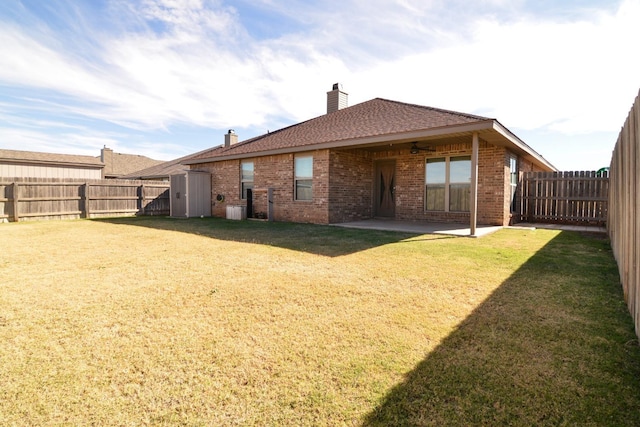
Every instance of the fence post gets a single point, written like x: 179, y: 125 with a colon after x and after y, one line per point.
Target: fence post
x: 524, y: 195
x: 142, y: 196
x: 16, y: 201
x: 87, y: 200
x: 270, y: 204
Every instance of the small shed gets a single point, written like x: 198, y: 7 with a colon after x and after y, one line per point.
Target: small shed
x: 191, y: 194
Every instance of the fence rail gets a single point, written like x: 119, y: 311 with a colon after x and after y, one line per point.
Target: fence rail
x: 55, y: 198
x: 565, y: 197
x: 623, y: 224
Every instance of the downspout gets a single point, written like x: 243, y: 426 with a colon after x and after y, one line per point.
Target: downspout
x: 473, y: 217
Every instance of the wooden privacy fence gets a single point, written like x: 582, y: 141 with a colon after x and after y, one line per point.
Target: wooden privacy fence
x: 564, y: 197
x: 623, y: 224
x: 54, y: 198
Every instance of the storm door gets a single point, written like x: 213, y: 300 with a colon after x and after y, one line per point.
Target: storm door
x: 385, y: 188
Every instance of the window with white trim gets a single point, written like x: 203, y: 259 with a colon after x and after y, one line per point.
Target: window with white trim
x: 448, y: 184
x: 303, y: 180
x: 513, y: 181
x: 246, y: 178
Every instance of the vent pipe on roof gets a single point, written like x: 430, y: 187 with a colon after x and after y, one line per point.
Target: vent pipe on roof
x: 336, y: 99
x: 230, y: 138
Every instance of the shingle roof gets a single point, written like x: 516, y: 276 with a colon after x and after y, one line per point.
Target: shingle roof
x: 371, y: 118
x: 162, y: 170
x: 17, y: 156
x: 118, y: 164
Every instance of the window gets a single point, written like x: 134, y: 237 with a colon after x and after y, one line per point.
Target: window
x: 246, y: 178
x: 448, y: 184
x: 513, y: 180
x: 303, y: 177
x: 436, y: 182
x: 459, y: 183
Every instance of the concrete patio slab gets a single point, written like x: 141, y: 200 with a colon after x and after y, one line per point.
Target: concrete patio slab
x: 422, y: 227
x: 419, y: 227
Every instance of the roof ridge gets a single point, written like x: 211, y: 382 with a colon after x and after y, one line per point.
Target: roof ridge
x: 269, y: 133
x: 443, y: 110
x: 372, y: 118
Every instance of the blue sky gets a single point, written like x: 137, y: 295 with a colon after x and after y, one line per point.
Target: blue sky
x: 166, y: 78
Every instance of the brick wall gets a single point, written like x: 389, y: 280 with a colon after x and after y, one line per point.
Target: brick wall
x: 410, y: 179
x: 275, y: 172
x: 493, y: 185
x: 351, y: 186
x: 225, y: 181
x: 344, y: 185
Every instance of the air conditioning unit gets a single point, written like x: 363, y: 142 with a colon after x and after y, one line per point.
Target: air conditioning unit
x: 236, y: 212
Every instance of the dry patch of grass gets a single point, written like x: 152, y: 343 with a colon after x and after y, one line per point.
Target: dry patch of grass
x: 151, y: 321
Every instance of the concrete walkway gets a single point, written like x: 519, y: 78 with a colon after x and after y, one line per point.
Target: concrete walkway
x: 563, y: 227
x: 421, y: 227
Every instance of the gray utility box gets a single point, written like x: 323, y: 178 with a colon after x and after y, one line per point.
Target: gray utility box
x: 236, y: 212
x: 191, y: 194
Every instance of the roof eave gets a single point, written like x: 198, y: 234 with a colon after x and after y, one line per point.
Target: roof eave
x: 522, y: 146
x: 359, y: 142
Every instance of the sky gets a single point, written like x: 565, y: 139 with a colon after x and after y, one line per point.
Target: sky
x: 167, y: 78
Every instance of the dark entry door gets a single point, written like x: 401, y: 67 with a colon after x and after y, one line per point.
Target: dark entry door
x: 386, y: 188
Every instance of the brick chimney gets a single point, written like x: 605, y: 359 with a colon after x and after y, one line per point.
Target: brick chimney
x: 336, y: 99
x: 230, y: 138
x: 106, y: 157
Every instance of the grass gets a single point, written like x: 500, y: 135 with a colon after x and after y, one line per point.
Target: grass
x: 155, y: 321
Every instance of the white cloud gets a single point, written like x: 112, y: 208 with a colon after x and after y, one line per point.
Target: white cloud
x: 155, y: 80
x: 65, y: 143
x: 571, y: 77
x: 192, y: 62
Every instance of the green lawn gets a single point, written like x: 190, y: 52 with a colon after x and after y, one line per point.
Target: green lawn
x: 156, y: 321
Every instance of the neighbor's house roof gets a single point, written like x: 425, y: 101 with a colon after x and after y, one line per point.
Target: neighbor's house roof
x: 116, y: 165
x: 373, y: 123
x: 163, y: 170
x: 49, y: 159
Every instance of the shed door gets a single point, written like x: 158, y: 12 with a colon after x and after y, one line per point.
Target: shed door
x: 199, y: 188
x: 178, y: 195
x: 385, y: 188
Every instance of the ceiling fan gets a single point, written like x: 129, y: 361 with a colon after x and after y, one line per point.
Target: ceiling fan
x: 415, y: 149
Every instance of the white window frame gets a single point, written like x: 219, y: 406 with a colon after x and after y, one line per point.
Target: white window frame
x: 243, y: 182
x: 298, y: 178
x: 513, y: 186
x: 447, y: 181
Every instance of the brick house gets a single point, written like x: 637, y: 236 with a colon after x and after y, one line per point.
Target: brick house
x: 380, y: 158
